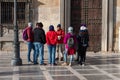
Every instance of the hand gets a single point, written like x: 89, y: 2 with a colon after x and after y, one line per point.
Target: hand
x: 59, y: 37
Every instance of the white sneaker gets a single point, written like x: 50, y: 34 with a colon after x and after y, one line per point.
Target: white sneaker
x: 83, y: 64
x: 29, y: 62
x: 70, y: 64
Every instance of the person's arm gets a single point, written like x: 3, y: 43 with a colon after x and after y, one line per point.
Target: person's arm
x: 43, y: 37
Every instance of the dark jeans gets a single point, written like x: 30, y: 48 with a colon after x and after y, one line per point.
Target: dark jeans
x: 82, y: 54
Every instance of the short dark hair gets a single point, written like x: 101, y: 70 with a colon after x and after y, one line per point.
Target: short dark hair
x: 39, y: 24
x: 59, y: 25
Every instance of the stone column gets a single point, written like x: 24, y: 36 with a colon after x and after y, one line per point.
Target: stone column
x: 0, y: 28
x: 0, y: 12
x: 104, y: 45
x: 110, y: 46
x: 67, y: 13
x: 119, y: 39
x: 62, y: 13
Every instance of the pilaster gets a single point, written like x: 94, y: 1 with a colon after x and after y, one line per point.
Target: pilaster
x: 104, y: 45
x: 111, y: 27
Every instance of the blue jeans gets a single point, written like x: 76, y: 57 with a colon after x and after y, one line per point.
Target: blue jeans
x: 39, y: 51
x: 30, y: 47
x: 65, y: 56
x: 51, y: 54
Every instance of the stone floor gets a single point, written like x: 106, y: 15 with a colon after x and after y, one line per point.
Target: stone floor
x: 98, y: 67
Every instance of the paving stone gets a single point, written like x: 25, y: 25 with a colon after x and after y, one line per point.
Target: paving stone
x: 32, y: 78
x: 56, y: 68
x: 81, y: 67
x: 6, y: 71
x: 6, y: 78
x: 89, y: 72
x: 30, y: 70
x: 117, y: 75
x: 65, y: 78
x: 113, y: 71
x: 97, y: 77
x: 106, y: 66
x: 60, y: 72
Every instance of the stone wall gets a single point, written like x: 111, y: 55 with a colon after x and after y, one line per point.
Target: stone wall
x: 116, y: 24
x: 46, y: 11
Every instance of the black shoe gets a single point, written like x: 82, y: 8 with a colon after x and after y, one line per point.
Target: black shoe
x: 35, y: 63
x: 61, y: 59
x: 77, y: 60
x: 54, y: 64
x: 57, y: 58
x: 43, y: 64
x: 80, y: 63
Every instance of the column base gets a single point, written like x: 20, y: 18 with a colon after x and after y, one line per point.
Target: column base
x: 16, y: 62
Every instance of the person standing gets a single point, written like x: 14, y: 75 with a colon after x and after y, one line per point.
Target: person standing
x: 60, y: 46
x: 39, y: 41
x: 70, y: 46
x: 82, y: 39
x: 30, y: 41
x: 51, y: 39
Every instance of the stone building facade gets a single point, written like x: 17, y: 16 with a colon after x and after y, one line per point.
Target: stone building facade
x: 100, y: 16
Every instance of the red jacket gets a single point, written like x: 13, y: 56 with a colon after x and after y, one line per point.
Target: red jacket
x: 30, y: 34
x: 62, y: 34
x: 51, y: 38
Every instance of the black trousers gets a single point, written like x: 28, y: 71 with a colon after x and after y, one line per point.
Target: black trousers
x: 82, y: 54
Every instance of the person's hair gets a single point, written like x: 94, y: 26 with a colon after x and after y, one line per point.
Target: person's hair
x: 39, y: 24
x: 51, y: 28
x: 59, y: 25
x: 30, y: 24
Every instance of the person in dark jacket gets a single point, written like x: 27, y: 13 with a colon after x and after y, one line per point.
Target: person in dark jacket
x: 39, y: 41
x: 83, y: 39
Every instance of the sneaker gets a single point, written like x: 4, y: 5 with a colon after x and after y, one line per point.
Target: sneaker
x: 83, y: 65
x: 29, y: 62
x: 64, y: 64
x: 70, y: 64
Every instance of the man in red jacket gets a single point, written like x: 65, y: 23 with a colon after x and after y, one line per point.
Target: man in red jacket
x: 60, y: 46
x: 30, y: 40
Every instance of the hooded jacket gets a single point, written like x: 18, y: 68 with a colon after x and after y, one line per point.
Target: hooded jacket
x: 51, y: 37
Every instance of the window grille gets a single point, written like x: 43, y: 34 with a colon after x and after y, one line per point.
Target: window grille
x: 7, y: 12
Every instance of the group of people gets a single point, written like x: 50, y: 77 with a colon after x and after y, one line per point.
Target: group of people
x: 59, y: 44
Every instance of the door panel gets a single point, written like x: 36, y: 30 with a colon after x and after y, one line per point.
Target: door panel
x: 88, y: 12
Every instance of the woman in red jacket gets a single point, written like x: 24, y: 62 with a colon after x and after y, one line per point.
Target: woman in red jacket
x: 51, y: 39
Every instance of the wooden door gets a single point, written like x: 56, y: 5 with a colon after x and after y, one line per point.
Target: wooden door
x: 88, y: 12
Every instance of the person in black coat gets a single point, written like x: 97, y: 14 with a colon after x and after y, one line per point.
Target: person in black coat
x: 39, y: 41
x: 82, y: 39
